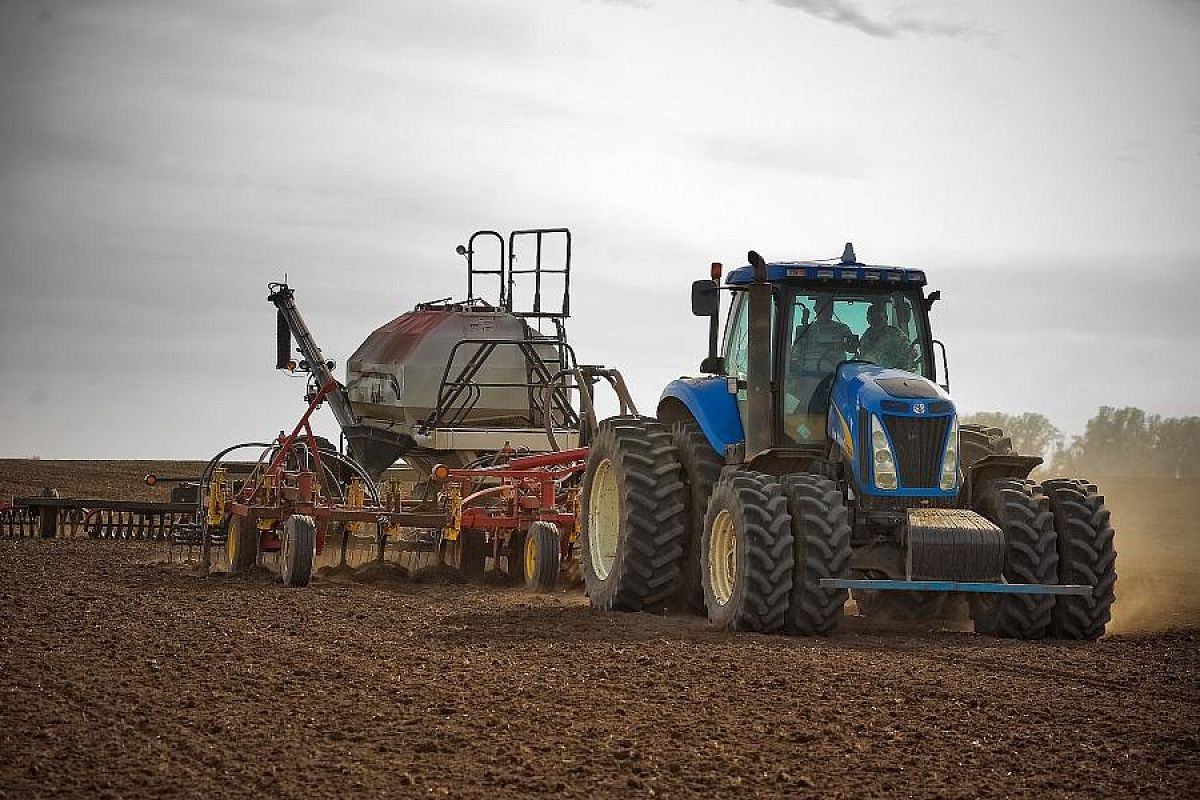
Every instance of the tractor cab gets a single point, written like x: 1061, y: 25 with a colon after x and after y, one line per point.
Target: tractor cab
x: 821, y: 322
x: 828, y: 367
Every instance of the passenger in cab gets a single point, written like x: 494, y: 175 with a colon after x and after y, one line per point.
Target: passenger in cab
x: 883, y: 343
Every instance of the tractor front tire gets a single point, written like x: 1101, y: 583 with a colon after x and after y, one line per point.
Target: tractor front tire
x: 821, y: 542
x: 747, y: 552
x: 1022, y: 512
x: 298, y: 549
x: 241, y: 544
x: 542, y: 556
x: 701, y: 469
x: 1085, y: 556
x: 632, y: 521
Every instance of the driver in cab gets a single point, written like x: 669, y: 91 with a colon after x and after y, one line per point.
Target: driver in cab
x: 884, y: 344
x: 821, y: 344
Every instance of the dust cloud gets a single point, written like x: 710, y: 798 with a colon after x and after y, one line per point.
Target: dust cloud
x: 1158, y: 553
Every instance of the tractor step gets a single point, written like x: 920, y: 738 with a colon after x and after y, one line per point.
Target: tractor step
x: 956, y: 586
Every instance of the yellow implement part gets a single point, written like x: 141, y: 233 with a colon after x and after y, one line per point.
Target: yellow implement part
x: 216, y: 499
x: 356, y: 493
x: 451, y: 532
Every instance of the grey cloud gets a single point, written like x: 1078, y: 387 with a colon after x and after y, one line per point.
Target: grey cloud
x: 797, y: 156
x: 898, y: 24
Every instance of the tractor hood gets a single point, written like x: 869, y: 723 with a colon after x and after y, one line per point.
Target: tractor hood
x: 862, y: 386
x: 863, y: 389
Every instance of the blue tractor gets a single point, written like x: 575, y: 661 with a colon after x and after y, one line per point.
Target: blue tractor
x: 822, y: 455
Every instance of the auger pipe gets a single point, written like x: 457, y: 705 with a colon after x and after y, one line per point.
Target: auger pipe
x: 284, y: 299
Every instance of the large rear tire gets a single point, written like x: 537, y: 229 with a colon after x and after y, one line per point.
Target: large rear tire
x: 701, y: 469
x: 632, y: 526
x: 1022, y: 512
x: 747, y: 551
x: 298, y: 549
x: 821, y: 542
x: 1086, y: 555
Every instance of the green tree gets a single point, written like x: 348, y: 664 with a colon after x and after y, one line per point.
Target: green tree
x: 1128, y: 441
x: 1177, y: 447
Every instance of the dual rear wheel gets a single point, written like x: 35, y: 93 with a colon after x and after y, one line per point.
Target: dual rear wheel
x: 660, y: 513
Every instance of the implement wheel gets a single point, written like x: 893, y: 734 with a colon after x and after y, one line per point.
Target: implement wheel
x: 631, y: 531
x: 298, y: 549
x: 241, y: 544
x: 1085, y: 556
x: 746, y: 552
x: 701, y: 469
x: 1022, y: 512
x: 542, y: 556
x: 472, y: 550
x: 821, y: 535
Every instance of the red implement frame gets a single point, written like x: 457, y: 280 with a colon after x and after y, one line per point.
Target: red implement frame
x: 497, y: 501
x: 521, y: 492
x: 276, y: 493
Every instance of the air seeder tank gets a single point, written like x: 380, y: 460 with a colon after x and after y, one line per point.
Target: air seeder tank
x: 449, y: 382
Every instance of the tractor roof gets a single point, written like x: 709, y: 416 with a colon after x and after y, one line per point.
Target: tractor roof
x: 817, y: 272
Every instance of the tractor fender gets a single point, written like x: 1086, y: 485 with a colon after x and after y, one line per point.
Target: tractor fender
x: 708, y: 401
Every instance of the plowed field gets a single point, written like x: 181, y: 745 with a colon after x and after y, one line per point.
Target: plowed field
x: 125, y: 676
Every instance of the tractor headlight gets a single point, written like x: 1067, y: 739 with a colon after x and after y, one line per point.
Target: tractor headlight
x: 885, y: 461
x: 949, y: 478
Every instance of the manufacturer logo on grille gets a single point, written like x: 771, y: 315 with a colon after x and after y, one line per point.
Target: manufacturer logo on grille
x: 918, y: 408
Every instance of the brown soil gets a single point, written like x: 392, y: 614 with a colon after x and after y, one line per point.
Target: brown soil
x: 127, y: 677
x: 109, y: 480
x: 124, y: 676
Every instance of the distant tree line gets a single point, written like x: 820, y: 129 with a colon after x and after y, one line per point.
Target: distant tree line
x: 1117, y: 441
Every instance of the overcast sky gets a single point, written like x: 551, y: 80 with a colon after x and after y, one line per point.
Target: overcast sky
x: 160, y: 163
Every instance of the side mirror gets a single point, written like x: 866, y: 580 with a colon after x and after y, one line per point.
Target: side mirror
x: 931, y: 299
x: 706, y: 301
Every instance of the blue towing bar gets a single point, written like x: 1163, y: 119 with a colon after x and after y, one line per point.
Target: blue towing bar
x: 956, y: 586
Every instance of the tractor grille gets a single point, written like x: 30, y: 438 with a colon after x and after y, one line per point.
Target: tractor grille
x: 919, y: 442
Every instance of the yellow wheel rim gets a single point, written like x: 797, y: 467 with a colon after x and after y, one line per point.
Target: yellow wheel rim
x: 530, y: 553
x: 604, y: 519
x: 722, y: 557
